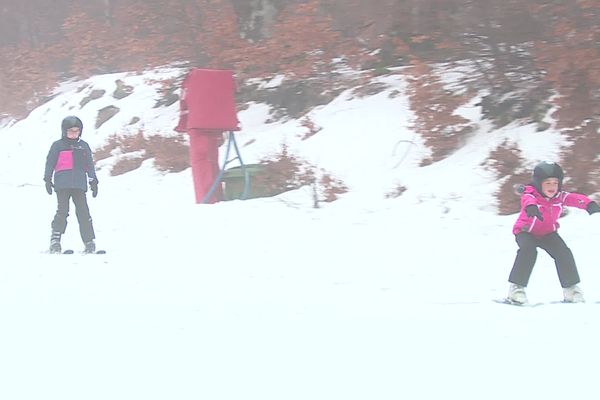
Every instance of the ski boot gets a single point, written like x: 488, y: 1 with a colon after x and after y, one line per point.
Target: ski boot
x: 573, y: 294
x: 516, y: 294
x: 55, y: 242
x: 90, y: 247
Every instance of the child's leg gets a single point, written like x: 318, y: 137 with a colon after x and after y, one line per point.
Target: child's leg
x: 59, y: 223
x: 563, y: 258
x: 82, y: 211
x: 525, y: 259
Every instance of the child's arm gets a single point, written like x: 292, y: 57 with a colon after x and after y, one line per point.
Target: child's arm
x: 576, y: 200
x: 91, y: 172
x: 51, y: 159
x: 530, y: 205
x: 90, y: 168
x: 528, y: 199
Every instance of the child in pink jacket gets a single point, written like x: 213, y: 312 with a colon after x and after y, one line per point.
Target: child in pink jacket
x: 542, y: 203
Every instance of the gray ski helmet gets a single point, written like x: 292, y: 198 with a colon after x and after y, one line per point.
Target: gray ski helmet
x: 545, y: 170
x: 70, y: 122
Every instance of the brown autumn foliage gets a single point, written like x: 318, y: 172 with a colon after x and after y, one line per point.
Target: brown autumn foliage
x: 434, y: 106
x: 170, y: 154
x: 573, y: 70
x: 285, y: 171
x: 506, y: 162
x: 526, y: 55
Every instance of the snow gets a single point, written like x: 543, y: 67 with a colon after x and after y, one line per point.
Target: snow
x: 363, y: 298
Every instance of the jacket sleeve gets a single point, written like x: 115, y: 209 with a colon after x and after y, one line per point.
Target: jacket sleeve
x: 89, y: 161
x: 527, y: 200
x: 51, y: 159
x: 577, y: 200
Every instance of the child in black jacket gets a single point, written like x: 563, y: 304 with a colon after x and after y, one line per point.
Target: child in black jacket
x: 70, y: 163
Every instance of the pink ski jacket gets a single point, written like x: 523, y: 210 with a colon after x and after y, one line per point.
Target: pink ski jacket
x: 551, y: 210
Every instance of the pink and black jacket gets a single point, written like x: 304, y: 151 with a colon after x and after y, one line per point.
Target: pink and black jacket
x: 71, y: 163
x: 551, y: 210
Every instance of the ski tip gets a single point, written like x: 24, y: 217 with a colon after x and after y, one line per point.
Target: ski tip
x: 68, y: 252
x: 100, y: 251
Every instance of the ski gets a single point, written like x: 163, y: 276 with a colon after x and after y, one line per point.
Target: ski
x: 71, y: 251
x: 512, y: 303
x: 85, y: 253
x: 68, y: 251
x: 515, y: 304
x: 566, y: 302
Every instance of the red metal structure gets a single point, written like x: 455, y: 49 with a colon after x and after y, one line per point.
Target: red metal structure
x: 207, y: 111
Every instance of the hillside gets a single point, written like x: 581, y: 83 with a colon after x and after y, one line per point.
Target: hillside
x: 524, y: 63
x: 365, y: 136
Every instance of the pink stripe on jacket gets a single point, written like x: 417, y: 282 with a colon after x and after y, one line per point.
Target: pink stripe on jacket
x: 551, y: 210
x: 64, y: 161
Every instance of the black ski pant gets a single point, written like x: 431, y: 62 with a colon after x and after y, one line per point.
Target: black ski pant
x: 555, y: 246
x: 59, y: 223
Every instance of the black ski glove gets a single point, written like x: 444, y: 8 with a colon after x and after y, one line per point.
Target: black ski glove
x: 49, y: 187
x: 593, y: 207
x: 94, y: 187
x: 533, y: 211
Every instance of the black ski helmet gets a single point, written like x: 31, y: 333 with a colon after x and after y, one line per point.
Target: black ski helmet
x: 545, y: 170
x: 70, y: 122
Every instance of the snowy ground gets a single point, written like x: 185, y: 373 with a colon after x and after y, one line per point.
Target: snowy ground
x: 272, y: 299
